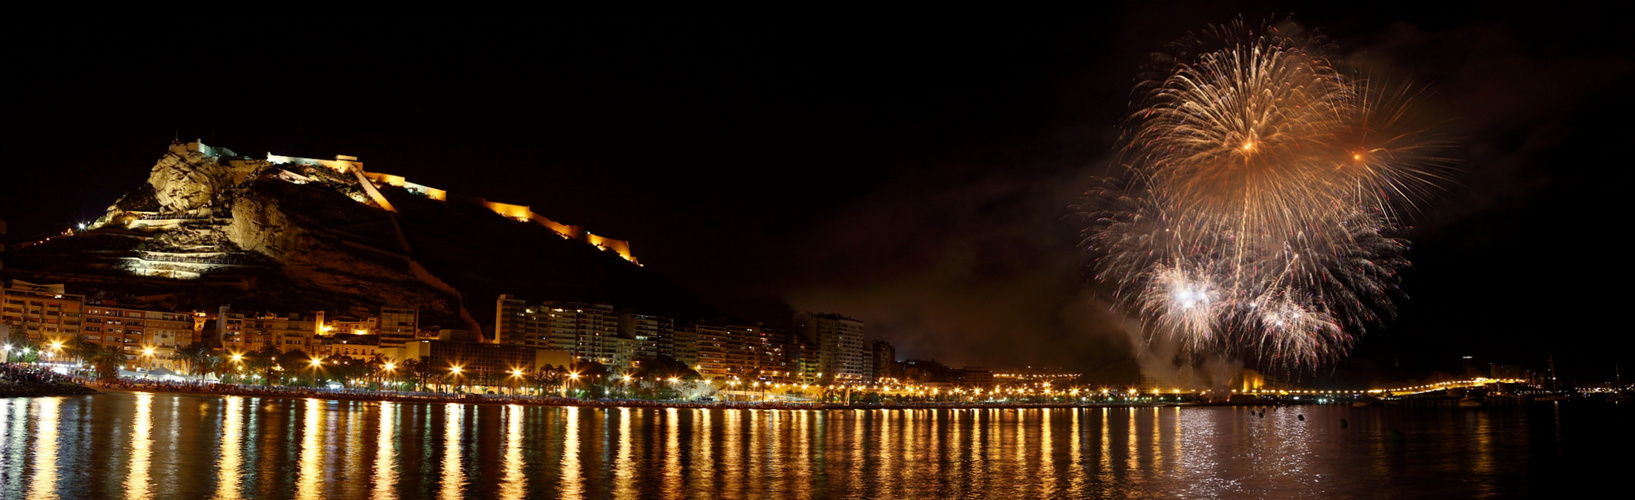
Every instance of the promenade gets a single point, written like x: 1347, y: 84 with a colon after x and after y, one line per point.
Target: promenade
x: 501, y: 399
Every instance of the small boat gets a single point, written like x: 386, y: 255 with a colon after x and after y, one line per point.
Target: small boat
x: 1470, y: 402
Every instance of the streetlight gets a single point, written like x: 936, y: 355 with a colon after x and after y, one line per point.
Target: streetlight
x: 314, y: 364
x: 388, y: 368
x: 454, y: 371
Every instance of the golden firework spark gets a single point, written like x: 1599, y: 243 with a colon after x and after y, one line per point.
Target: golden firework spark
x: 1263, y: 188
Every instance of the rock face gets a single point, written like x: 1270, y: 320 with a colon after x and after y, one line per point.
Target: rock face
x: 185, y: 180
x: 303, y: 229
x: 293, y: 234
x: 258, y: 225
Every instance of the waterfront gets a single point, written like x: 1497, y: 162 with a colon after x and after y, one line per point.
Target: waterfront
x: 157, y: 445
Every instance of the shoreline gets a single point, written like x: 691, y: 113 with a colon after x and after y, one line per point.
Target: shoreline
x: 26, y: 382
x: 591, y: 403
x: 48, y: 390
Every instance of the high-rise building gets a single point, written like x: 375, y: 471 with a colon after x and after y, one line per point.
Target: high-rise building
x: 398, y: 325
x: 653, y: 336
x: 685, y: 347
x: 588, y: 332
x: 514, y: 325
x: 804, y: 358
x: 842, y: 354
x: 745, y: 352
x: 883, y: 361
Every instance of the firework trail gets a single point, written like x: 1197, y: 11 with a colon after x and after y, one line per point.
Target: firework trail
x: 1263, y: 186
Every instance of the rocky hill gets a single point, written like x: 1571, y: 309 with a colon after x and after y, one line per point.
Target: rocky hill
x: 295, y: 234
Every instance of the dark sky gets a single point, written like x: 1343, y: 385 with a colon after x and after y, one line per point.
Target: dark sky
x: 914, y: 173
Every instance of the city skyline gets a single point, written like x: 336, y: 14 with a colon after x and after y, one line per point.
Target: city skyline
x: 917, y: 178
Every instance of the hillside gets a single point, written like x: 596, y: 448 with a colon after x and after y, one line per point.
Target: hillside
x: 289, y: 234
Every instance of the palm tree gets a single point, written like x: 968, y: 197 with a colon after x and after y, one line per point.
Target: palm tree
x: 217, y: 364
x: 346, y: 368
x: 593, y: 375
x: 198, y: 357
x: 293, y: 362
x: 422, y: 371
x: 107, y: 361
x: 389, y: 373
x: 81, y: 350
x: 376, y: 365
x: 263, y: 361
x: 548, y: 378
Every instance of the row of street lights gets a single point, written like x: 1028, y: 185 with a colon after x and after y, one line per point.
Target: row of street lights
x: 55, y: 348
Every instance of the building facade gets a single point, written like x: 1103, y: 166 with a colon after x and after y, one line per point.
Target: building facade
x: 149, y: 338
x: 742, y: 352
x: 588, y: 332
x: 41, y: 313
x: 398, y: 325
x: 483, y: 359
x: 843, y: 356
x: 239, y: 332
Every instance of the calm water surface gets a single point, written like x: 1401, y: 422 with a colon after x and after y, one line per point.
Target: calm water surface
x: 141, y: 445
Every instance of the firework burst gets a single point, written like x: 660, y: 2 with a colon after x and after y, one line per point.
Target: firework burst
x: 1262, y: 191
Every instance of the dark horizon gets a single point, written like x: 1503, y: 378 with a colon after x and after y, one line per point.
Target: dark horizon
x: 918, y: 177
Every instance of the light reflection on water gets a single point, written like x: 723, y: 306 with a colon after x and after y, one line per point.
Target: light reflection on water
x: 138, y: 445
x: 672, y: 453
x: 624, y: 473
x: 230, y: 466
x: 136, y: 482
x: 514, y: 482
x: 311, y: 450
x: 44, y: 460
x: 384, y: 479
x: 571, y: 469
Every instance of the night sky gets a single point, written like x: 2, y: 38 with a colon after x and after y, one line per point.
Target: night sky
x: 914, y: 173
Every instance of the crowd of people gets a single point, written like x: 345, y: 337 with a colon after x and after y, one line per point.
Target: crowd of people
x: 27, y: 381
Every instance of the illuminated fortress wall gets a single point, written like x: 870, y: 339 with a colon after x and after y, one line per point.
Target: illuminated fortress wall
x: 343, y: 164
x: 371, y: 180
x: 524, y: 214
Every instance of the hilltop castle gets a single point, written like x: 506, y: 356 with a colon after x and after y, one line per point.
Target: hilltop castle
x: 186, y: 184
x: 371, y: 181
